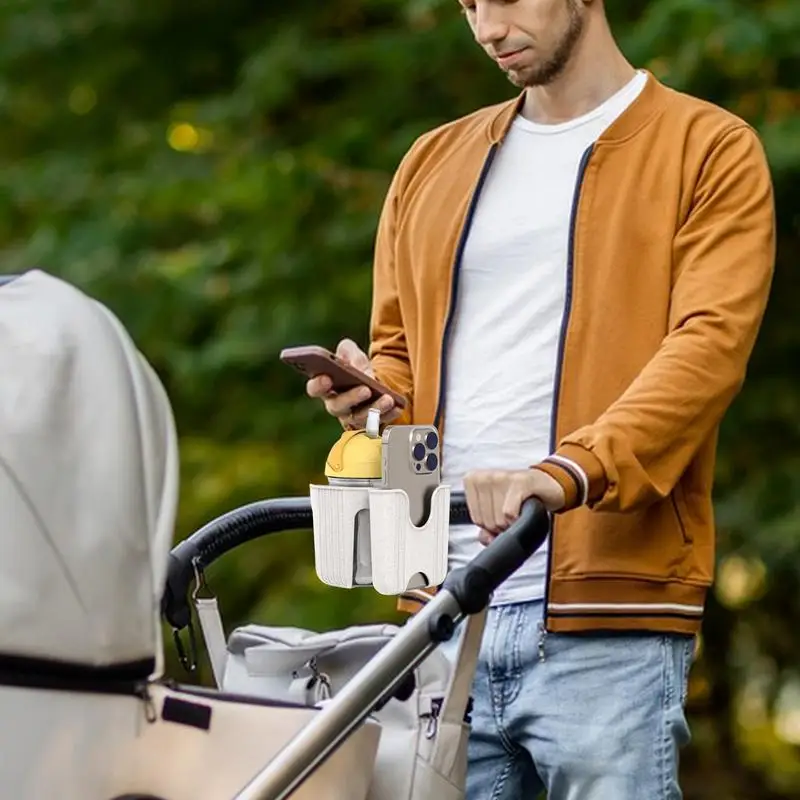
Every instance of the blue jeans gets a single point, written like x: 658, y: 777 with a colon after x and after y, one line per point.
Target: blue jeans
x: 582, y: 717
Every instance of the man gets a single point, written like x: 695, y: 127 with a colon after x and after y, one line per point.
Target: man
x: 570, y: 285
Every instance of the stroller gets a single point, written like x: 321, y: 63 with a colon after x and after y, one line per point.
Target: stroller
x: 89, y: 487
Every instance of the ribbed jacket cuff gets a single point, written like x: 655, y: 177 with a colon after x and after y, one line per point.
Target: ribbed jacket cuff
x: 578, y: 472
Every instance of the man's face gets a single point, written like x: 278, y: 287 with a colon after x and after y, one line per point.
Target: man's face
x: 531, y: 40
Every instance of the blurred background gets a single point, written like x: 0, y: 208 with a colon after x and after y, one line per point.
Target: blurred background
x: 213, y: 171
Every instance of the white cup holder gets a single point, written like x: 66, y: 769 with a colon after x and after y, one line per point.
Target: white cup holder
x: 365, y: 537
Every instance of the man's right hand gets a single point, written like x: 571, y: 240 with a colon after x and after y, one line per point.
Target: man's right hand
x: 341, y: 405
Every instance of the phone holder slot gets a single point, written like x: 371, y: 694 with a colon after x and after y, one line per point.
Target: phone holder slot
x: 365, y: 537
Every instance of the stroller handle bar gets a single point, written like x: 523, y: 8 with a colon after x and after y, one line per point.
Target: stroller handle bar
x: 472, y: 585
x: 466, y: 590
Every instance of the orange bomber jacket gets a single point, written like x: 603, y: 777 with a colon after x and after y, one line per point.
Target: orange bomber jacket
x: 670, y: 264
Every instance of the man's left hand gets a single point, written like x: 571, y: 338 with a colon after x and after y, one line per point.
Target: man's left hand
x: 495, y: 497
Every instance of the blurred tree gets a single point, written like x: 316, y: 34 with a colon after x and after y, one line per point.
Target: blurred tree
x: 213, y: 171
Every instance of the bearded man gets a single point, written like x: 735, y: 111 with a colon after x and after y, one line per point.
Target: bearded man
x: 569, y: 285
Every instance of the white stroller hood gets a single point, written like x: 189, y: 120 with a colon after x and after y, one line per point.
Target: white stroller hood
x: 88, y: 482
x: 88, y: 491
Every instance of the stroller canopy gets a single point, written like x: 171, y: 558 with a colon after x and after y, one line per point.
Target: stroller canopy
x: 88, y: 482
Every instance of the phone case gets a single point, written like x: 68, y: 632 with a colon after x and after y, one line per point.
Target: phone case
x: 410, y: 461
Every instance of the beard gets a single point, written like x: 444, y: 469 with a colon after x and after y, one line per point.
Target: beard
x: 554, y: 65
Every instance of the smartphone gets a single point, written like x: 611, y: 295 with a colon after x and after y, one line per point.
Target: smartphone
x: 410, y: 461
x: 313, y: 361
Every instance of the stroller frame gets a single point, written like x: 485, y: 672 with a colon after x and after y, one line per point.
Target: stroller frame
x: 465, y: 591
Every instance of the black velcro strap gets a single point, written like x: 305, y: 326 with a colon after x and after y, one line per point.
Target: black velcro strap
x: 183, y: 712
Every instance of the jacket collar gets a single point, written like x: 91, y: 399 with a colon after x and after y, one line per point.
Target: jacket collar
x: 644, y: 108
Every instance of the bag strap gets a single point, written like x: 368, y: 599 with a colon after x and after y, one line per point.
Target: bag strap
x: 454, y: 708
x: 459, y: 688
x: 213, y: 635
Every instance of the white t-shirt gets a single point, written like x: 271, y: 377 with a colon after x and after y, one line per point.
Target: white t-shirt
x: 501, y: 367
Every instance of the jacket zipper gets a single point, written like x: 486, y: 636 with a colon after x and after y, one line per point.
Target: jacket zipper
x: 584, y: 163
x: 437, y: 419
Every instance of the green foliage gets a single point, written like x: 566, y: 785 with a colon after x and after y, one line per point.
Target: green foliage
x: 214, y: 171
